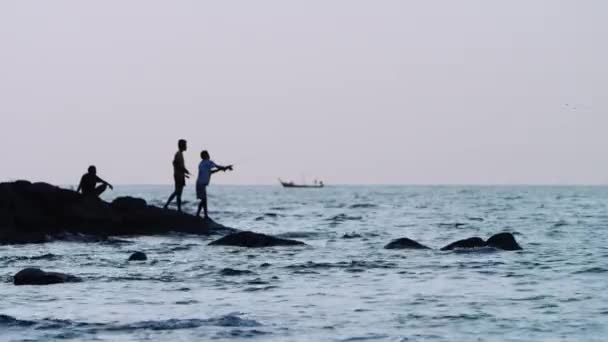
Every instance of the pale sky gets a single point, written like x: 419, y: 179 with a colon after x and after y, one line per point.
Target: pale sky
x: 363, y: 92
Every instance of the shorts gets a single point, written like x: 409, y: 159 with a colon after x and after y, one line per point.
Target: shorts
x: 180, y: 182
x: 201, y: 191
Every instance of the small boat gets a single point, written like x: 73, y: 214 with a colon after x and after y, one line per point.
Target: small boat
x: 316, y: 185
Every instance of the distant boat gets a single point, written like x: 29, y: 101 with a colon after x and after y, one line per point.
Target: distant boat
x: 316, y: 185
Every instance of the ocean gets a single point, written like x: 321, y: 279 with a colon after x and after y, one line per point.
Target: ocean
x: 342, y: 286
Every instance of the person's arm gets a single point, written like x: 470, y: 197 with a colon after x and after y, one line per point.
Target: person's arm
x: 79, y: 186
x: 219, y: 168
x: 105, y: 183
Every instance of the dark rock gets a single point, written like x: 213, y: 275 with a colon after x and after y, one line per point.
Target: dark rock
x: 91, y: 211
x: 474, y: 242
x: 138, y: 256
x: 7, y: 220
x: 254, y: 240
x: 41, y: 212
x: 229, y: 272
x: 504, y: 241
x: 405, y: 243
x: 125, y: 204
x: 35, y: 276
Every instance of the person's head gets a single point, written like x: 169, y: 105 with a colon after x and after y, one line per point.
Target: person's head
x: 182, y: 145
x: 92, y: 170
x: 205, y: 155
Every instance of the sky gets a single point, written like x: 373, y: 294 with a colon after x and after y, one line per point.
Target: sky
x: 348, y: 91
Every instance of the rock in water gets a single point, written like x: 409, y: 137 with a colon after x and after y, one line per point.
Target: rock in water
x: 504, y: 241
x: 254, y: 240
x: 405, y: 243
x: 138, y: 256
x: 473, y: 242
x: 35, y: 276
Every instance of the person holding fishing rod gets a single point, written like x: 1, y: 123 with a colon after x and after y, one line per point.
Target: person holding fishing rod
x: 205, y: 169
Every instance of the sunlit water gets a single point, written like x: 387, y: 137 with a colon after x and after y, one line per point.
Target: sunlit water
x: 343, y: 286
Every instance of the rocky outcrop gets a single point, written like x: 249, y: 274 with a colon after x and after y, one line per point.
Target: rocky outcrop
x: 474, y: 242
x: 405, y: 243
x: 502, y: 241
x: 254, y: 240
x: 138, y: 256
x: 36, y: 276
x: 40, y: 212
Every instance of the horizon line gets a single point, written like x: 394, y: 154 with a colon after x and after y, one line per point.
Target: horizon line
x: 379, y: 184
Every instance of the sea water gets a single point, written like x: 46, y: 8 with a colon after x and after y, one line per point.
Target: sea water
x: 342, y: 286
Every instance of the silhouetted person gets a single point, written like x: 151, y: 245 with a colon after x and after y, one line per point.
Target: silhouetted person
x: 89, y: 181
x: 180, y: 173
x: 205, y: 169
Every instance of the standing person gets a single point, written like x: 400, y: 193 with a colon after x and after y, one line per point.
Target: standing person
x: 180, y: 173
x: 88, y: 184
x: 205, y: 169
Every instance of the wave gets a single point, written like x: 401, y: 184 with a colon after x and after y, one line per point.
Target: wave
x: 300, y: 235
x: 560, y: 223
x: 478, y: 219
x: 451, y: 225
x: 477, y: 250
x: 137, y: 277
x: 338, y: 219
x: 592, y: 270
x: 363, y: 206
x: 48, y: 256
x: 232, y: 320
x: 355, y: 264
x: 369, y: 337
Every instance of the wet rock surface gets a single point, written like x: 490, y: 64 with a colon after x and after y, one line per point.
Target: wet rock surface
x: 405, y: 243
x: 138, y: 256
x: 474, y: 242
x: 36, y: 276
x: 504, y: 241
x: 254, y: 240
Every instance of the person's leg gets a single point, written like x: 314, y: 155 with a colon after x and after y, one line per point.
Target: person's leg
x: 169, y: 200
x: 178, y: 195
x: 200, y: 208
x: 100, y: 189
x: 199, y: 195
x: 204, y: 202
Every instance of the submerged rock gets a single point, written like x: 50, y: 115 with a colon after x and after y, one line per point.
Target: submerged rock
x: 41, y: 212
x: 138, y: 256
x: 254, y: 240
x: 474, y: 242
x: 35, y: 276
x: 504, y: 241
x: 230, y: 272
x: 405, y: 243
